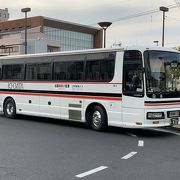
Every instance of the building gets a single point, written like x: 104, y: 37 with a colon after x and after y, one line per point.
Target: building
x: 4, y: 15
x: 47, y: 35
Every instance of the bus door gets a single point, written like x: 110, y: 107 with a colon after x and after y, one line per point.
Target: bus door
x: 133, y: 89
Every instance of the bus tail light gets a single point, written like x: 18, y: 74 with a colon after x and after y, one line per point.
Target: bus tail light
x: 155, y: 115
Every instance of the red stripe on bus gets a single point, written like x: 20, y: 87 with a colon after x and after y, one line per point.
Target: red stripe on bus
x: 65, y: 96
x: 165, y: 104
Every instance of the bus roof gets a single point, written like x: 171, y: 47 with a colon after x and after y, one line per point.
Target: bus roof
x: 99, y: 50
x: 62, y: 53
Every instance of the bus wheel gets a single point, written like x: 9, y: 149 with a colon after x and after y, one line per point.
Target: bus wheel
x: 9, y: 108
x: 98, y: 119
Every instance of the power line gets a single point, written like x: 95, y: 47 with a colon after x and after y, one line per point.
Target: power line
x: 173, y: 43
x: 177, y: 3
x: 144, y: 13
x: 172, y: 18
x: 104, y: 5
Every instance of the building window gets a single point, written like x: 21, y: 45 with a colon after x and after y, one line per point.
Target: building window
x: 9, y: 49
x: 70, y: 40
x: 53, y: 49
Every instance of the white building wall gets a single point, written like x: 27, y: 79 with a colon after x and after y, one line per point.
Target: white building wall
x: 37, y: 42
x: 37, y: 46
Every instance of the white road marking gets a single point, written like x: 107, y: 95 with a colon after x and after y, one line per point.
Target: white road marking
x: 133, y: 135
x: 140, y: 143
x: 129, y: 155
x: 168, y: 131
x: 91, y: 171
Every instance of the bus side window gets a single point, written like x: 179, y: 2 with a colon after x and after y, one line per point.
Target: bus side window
x: 44, y: 71
x: 75, y: 71
x: 93, y: 70
x: 31, y: 72
x: 100, y: 70
x: 133, y: 74
x: 18, y: 72
x: 59, y: 71
x: 107, y: 70
x: 14, y: 72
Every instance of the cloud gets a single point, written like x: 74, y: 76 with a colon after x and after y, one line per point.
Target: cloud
x: 141, y: 30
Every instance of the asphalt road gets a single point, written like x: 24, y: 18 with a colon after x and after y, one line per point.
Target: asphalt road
x: 45, y: 149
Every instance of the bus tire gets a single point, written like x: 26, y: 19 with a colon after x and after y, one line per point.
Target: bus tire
x: 9, y: 108
x: 98, y: 118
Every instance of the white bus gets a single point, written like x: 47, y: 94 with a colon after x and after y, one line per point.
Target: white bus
x: 131, y: 87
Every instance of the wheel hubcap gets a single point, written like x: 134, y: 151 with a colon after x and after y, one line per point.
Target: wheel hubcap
x: 96, y: 118
x: 9, y: 108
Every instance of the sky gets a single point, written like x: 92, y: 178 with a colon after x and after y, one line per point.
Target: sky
x: 142, y: 30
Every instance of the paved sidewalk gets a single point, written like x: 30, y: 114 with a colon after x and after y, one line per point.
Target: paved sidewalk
x: 177, y: 127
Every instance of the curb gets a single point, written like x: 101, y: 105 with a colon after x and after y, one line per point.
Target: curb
x: 177, y: 127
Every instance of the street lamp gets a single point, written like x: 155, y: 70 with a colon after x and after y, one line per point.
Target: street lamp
x: 104, y: 25
x: 25, y: 10
x: 156, y: 42
x: 163, y: 9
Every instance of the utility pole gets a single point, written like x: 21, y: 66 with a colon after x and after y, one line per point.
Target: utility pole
x: 25, y: 10
x: 163, y: 9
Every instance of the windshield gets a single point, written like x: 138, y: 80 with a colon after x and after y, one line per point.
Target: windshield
x: 162, y: 73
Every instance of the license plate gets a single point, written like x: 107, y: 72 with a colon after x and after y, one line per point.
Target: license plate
x: 174, y: 121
